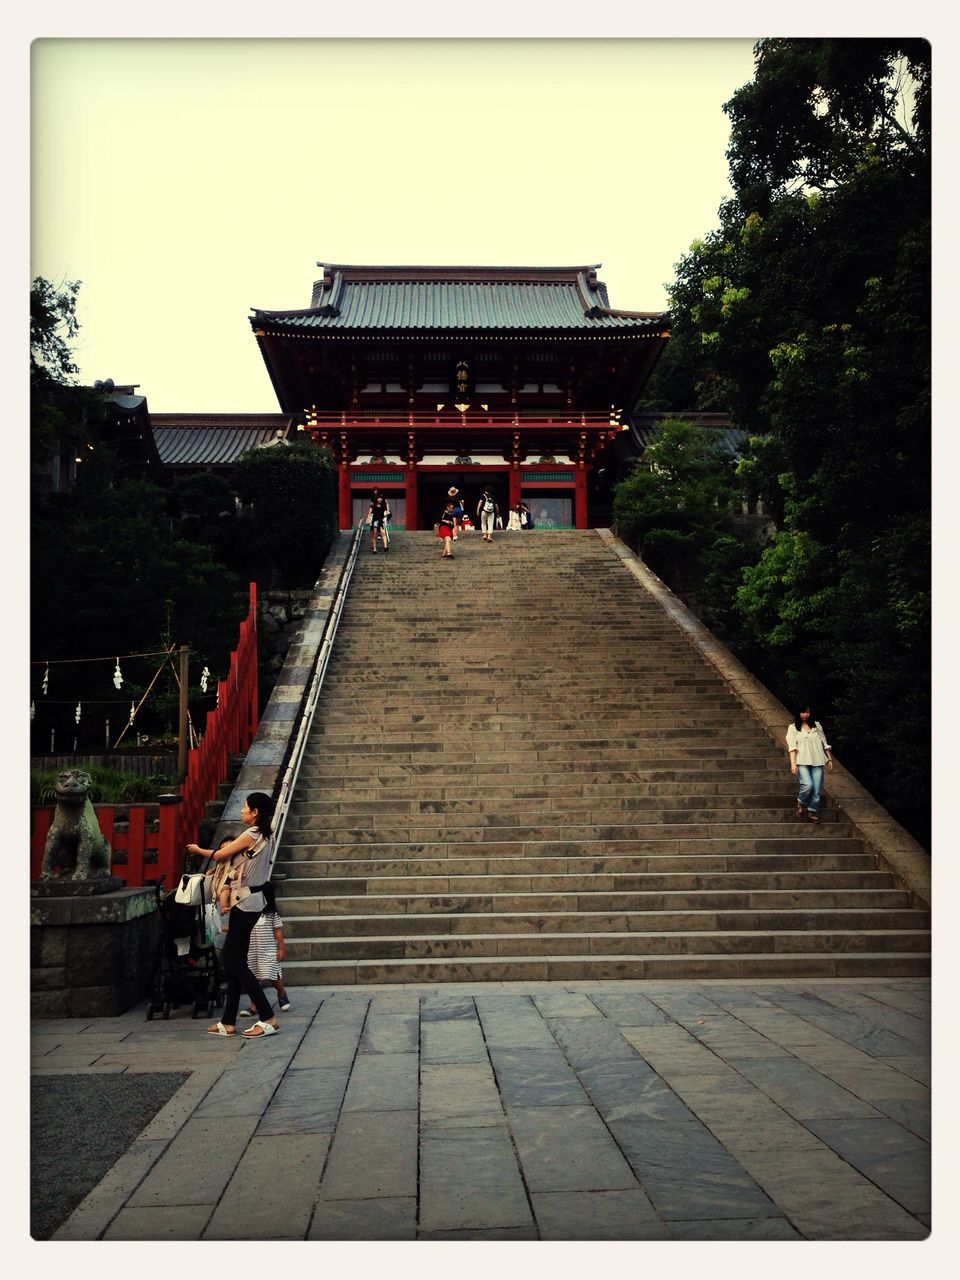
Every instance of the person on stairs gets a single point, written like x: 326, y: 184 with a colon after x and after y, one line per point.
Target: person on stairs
x: 254, y: 843
x: 377, y: 517
x: 453, y: 493
x: 487, y: 513
x: 808, y: 749
x: 445, y: 527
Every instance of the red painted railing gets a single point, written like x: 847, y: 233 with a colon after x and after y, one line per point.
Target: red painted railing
x: 451, y: 416
x: 229, y: 731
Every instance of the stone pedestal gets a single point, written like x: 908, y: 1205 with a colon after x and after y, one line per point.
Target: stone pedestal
x: 92, y: 953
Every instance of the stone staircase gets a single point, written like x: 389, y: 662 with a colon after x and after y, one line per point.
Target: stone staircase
x: 520, y: 769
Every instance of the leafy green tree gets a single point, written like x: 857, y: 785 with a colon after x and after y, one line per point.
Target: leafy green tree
x: 62, y: 413
x: 110, y: 574
x: 290, y: 516
x: 806, y: 315
x: 675, y: 507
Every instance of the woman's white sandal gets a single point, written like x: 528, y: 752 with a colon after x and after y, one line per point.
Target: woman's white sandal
x: 259, y: 1029
x: 220, y: 1030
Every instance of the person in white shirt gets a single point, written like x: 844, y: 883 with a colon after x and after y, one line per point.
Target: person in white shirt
x: 809, y: 754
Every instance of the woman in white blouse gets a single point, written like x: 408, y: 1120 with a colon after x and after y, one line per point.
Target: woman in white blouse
x: 809, y: 754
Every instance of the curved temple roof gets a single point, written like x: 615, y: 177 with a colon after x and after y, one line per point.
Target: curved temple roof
x: 467, y: 298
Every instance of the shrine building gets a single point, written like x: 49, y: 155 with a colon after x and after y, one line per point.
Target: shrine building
x: 420, y: 378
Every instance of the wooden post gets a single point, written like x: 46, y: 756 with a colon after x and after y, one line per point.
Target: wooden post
x: 345, y: 499
x: 580, y: 498
x: 514, y: 485
x: 410, y: 489
x: 182, y: 743
x: 410, y: 493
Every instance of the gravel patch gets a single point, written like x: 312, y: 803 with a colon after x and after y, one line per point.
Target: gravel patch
x: 80, y: 1126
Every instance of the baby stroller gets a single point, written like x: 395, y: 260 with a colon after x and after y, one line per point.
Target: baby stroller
x: 187, y: 969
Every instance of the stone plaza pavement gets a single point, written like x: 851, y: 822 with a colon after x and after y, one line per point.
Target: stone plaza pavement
x: 690, y: 1110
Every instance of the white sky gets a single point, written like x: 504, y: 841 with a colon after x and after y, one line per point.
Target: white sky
x: 186, y: 181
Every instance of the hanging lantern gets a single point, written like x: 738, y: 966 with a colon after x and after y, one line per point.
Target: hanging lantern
x: 77, y: 713
x: 46, y: 677
x: 33, y: 710
x: 117, y: 676
x: 133, y: 712
x: 204, y: 677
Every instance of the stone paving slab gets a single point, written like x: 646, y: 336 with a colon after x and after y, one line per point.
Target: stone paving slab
x: 374, y: 1155
x: 687, y: 1172
x: 469, y: 1179
x: 597, y: 1215
x: 167, y: 1222
x: 459, y: 1095
x: 273, y: 1190
x: 695, y: 1110
x: 568, y: 1149
x: 393, y: 1218
x: 383, y: 1082
x: 450, y: 1040
x: 536, y: 1077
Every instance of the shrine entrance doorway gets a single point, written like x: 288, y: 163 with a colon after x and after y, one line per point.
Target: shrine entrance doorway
x: 432, y: 489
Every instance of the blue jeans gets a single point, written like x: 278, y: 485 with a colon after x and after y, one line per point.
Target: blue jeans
x: 811, y: 780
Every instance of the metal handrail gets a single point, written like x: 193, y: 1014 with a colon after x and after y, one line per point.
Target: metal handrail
x: 292, y: 770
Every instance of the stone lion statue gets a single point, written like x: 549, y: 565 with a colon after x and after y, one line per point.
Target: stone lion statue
x: 76, y: 848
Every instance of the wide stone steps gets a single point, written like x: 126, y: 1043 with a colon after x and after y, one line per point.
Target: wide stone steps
x: 466, y: 945
x: 699, y: 794
x: 607, y: 967
x: 314, y: 928
x: 663, y: 768
x: 303, y: 872
x: 706, y: 806
x: 527, y: 818
x: 592, y: 900
x: 569, y: 835
x: 500, y: 882
x: 520, y: 769
x: 690, y: 777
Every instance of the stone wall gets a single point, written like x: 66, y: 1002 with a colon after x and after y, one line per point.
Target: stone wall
x: 279, y: 615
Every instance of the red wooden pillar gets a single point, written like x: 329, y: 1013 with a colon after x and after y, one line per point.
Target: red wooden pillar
x: 345, y: 504
x: 580, y: 498
x: 514, y: 487
x: 410, y: 493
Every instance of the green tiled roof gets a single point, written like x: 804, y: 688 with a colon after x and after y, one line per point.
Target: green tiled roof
x: 463, y: 298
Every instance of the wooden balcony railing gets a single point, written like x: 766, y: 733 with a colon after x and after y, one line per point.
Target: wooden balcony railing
x: 451, y: 417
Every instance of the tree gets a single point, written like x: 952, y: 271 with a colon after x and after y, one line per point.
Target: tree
x: 111, y: 574
x: 675, y: 508
x: 806, y: 315
x: 60, y: 410
x: 289, y: 518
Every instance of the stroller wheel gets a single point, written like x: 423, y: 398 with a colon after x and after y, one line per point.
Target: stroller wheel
x: 166, y: 1009
x: 149, y: 1012
x: 210, y: 1009
x: 195, y: 1010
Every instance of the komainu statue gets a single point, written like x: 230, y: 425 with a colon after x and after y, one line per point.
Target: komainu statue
x: 76, y: 848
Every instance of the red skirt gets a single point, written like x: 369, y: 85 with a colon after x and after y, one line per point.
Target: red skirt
x: 444, y: 531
